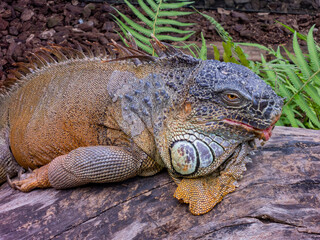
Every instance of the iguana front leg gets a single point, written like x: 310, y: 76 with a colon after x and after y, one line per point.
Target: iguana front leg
x: 204, y: 193
x: 96, y: 164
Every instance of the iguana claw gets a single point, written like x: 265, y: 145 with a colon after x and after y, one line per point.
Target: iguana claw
x: 35, y: 179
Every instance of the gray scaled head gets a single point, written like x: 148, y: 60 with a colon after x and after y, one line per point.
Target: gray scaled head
x: 225, y: 105
x: 235, y: 99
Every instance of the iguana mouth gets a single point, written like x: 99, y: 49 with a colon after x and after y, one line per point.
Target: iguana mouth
x: 264, y: 134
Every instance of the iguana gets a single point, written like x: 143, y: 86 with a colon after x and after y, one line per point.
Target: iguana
x: 75, y: 117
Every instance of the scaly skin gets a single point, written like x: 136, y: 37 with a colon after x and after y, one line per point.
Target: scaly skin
x: 80, y: 119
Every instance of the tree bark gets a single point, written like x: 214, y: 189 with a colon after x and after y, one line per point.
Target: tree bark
x: 278, y: 198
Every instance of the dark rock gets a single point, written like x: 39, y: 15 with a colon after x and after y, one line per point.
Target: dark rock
x: 238, y: 27
x: 13, y: 30
x: 54, y: 20
x: 87, y: 26
x: 103, y: 40
x: 47, y: 34
x: 242, y: 16
x: 74, y: 9
x: 247, y: 34
x: 3, y: 24
x: 87, y: 10
x: 108, y: 26
x: 241, y: 1
x: 26, y: 15
x: 5, y: 13
x: 229, y: 3
x: 39, y: 3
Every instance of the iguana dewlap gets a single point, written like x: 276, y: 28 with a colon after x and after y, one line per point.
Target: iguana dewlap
x: 78, y: 118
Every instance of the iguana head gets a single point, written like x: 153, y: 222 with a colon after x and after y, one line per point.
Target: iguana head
x: 220, y: 105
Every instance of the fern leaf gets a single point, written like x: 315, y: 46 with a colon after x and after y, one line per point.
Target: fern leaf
x: 242, y: 57
x: 303, y: 65
x: 203, y: 50
x: 313, y: 52
x: 172, y: 30
x: 144, y: 47
x: 174, y: 5
x: 147, y: 10
x: 290, y: 116
x: 259, y: 46
x: 138, y: 14
x: 216, y: 52
x: 171, y: 38
x: 153, y: 5
x: 134, y: 33
x: 305, y: 107
x: 301, y: 36
x: 223, y: 33
x: 173, y: 13
x: 136, y: 26
x: 163, y: 21
x: 227, y: 52
x: 291, y: 56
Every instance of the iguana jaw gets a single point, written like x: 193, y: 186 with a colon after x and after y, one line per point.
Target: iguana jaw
x: 264, y: 134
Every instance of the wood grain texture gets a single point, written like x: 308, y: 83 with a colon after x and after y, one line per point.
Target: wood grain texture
x: 278, y: 198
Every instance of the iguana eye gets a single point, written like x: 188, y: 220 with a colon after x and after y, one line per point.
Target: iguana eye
x: 231, y: 98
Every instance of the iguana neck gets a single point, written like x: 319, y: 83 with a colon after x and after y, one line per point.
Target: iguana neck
x: 151, y: 98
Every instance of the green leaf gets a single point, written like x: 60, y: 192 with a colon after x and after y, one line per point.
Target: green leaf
x: 173, y: 13
x: 136, y: 26
x: 220, y: 30
x: 175, y: 5
x: 163, y: 21
x: 290, y: 116
x: 216, y: 52
x: 171, y: 38
x: 154, y: 5
x: 313, y: 52
x: 301, y: 36
x: 171, y: 30
x: 203, y: 50
x: 303, y: 65
x: 242, y: 57
x: 147, y: 10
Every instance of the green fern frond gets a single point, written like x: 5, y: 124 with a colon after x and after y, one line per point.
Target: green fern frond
x: 203, y: 50
x: 154, y: 5
x: 173, y: 23
x: 148, y: 22
x: 171, y: 29
x: 220, y: 30
x: 171, y: 38
x: 134, y: 25
x: 156, y: 20
x: 216, y: 52
x: 313, y: 52
x: 301, y: 61
x: 301, y: 36
x: 175, y: 5
x: 173, y: 13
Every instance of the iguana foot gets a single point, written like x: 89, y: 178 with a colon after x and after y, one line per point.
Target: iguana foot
x: 204, y: 193
x: 36, y: 179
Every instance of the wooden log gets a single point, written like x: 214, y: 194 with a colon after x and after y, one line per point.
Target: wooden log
x: 278, y: 198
